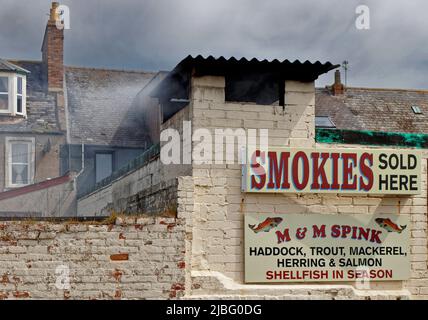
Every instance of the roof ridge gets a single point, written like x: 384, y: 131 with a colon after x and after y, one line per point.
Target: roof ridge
x: 390, y: 89
x: 382, y: 89
x: 12, y: 66
x: 83, y: 67
x: 24, y: 60
x: 114, y: 70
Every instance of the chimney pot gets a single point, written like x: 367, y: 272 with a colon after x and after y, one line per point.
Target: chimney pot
x: 337, y: 87
x: 54, y: 14
x: 337, y: 77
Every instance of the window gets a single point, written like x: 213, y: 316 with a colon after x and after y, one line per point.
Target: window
x: 416, y: 110
x: 255, y: 87
x: 324, y: 122
x: 19, y: 162
x: 19, y: 91
x: 12, y: 94
x: 103, y: 166
x: 4, y: 94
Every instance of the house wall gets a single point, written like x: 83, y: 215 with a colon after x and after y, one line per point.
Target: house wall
x: 217, y: 250
x: 143, y: 191
x: 176, y: 122
x: 150, y: 189
x: 46, y: 162
x: 56, y: 199
x: 71, y: 160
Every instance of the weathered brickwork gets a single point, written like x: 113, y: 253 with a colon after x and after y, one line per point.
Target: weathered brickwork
x: 53, y: 52
x: 159, y: 198
x: 134, y: 258
x: 151, y: 189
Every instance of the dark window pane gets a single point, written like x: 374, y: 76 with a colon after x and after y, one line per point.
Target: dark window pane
x: 4, y: 84
x: 19, y: 104
x: 255, y: 87
x: 4, y: 102
x: 19, y: 85
x: 19, y: 174
x: 103, y: 166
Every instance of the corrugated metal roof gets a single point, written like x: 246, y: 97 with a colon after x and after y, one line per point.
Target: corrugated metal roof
x: 10, y: 67
x: 302, y: 71
x: 254, y: 61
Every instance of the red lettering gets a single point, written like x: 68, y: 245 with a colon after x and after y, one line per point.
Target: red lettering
x: 335, y: 231
x: 258, y: 170
x: 318, y: 232
x: 278, y: 172
x: 335, y: 168
x: 364, y: 233
x: 366, y: 171
x: 305, y: 172
x: 375, y: 236
x: 345, y: 231
x: 319, y: 170
x: 283, y: 237
x: 348, y: 170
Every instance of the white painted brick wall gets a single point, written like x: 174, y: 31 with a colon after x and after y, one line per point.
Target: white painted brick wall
x: 217, y: 257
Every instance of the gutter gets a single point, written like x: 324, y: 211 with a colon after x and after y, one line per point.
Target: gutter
x: 67, y: 119
x: 82, y: 169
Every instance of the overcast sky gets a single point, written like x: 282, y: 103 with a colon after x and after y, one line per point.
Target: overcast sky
x: 156, y: 34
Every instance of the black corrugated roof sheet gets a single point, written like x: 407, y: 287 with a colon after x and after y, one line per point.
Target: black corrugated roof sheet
x: 302, y: 71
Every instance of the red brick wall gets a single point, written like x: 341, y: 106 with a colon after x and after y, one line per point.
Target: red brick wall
x: 53, y: 56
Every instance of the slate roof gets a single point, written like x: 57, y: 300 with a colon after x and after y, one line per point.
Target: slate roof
x: 375, y: 109
x: 41, y: 106
x: 8, y: 66
x: 101, y: 106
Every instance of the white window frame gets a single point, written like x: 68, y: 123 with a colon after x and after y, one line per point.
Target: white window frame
x: 30, y: 141
x: 22, y: 94
x: 9, y: 85
x: 13, y: 94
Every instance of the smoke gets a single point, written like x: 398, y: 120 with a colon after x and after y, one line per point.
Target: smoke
x: 157, y: 34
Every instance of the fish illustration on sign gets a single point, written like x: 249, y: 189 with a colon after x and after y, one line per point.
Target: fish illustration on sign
x: 389, y: 226
x: 266, y: 225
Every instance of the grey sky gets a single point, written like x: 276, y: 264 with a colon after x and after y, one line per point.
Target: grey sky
x: 157, y: 34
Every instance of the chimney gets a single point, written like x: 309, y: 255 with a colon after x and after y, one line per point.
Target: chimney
x: 337, y: 88
x: 53, y: 52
